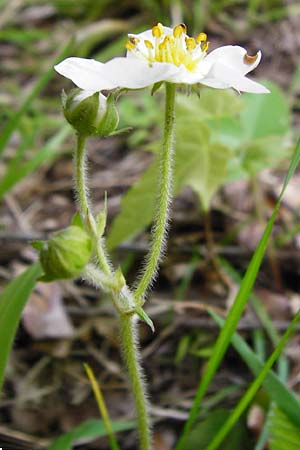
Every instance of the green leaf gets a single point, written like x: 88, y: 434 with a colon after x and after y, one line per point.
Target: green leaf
x: 12, y: 302
x: 91, y: 429
x: 205, y: 184
x: 284, y: 435
x: 203, y: 433
x: 237, y: 308
x: 266, y: 115
x: 145, y: 318
x: 276, y: 388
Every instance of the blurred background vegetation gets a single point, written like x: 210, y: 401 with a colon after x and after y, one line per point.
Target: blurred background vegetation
x: 232, y: 154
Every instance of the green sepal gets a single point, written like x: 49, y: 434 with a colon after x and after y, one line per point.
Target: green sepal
x: 92, y: 115
x: 119, y: 279
x: 66, y: 254
x: 38, y: 245
x: 196, y: 90
x: 63, y: 98
x: 46, y: 278
x: 110, y: 120
x: 77, y: 221
x: 156, y: 87
x: 81, y: 113
x: 101, y: 218
x: 144, y: 317
x: 121, y: 131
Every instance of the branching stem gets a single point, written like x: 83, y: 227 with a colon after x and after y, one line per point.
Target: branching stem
x: 105, y: 278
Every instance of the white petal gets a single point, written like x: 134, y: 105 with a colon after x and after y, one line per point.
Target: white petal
x: 214, y: 83
x: 223, y: 76
x: 231, y: 55
x: 87, y: 74
x: 129, y: 73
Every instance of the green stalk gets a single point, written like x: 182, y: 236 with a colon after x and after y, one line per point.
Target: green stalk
x: 80, y: 181
x: 83, y: 200
x: 132, y: 357
x: 160, y: 226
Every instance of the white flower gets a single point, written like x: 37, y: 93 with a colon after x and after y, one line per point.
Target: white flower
x: 166, y: 54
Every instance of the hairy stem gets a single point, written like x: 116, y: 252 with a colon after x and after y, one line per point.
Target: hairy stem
x: 83, y: 200
x: 80, y: 178
x: 131, y: 357
x: 160, y: 226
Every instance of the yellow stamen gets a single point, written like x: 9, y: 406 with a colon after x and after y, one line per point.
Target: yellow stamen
x: 158, y: 30
x: 190, y: 43
x: 148, y: 44
x: 169, y: 40
x: 131, y: 43
x: 176, y: 48
x: 248, y: 59
x: 202, y: 37
x: 205, y: 46
x: 179, y: 30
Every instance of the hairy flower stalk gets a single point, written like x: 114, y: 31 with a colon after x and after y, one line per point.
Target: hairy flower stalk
x: 164, y: 196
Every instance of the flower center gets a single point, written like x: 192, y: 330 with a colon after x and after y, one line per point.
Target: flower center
x: 174, y: 48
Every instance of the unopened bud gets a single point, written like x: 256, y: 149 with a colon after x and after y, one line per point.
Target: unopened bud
x: 66, y: 254
x: 90, y: 114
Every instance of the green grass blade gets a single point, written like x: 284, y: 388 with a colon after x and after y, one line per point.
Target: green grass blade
x: 42, y: 81
x: 278, y: 391
x: 264, y: 318
x: 12, y: 302
x: 253, y: 388
x: 237, y: 308
x: 90, y: 429
x: 17, y: 172
x: 102, y: 408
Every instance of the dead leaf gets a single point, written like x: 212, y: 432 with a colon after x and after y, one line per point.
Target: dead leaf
x: 44, y: 315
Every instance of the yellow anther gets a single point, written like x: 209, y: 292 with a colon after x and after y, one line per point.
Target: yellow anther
x: 169, y: 40
x: 161, y: 27
x: 190, y: 43
x: 131, y: 43
x: 130, y: 46
x: 179, y: 30
x: 158, y: 30
x: 148, y: 44
x: 202, y: 37
x: 248, y: 59
x: 205, y: 46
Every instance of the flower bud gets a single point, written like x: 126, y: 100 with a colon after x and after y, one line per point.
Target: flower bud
x: 66, y: 254
x: 90, y: 114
